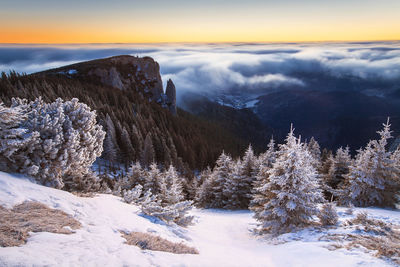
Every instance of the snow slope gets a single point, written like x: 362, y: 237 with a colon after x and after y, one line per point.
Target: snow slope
x: 223, y: 238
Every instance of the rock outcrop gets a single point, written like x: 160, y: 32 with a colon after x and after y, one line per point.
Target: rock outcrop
x: 170, y: 92
x: 127, y: 73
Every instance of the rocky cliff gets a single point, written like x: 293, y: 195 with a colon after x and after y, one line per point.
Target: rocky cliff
x: 126, y: 73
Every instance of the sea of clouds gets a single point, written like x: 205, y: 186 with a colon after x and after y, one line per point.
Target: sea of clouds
x: 214, y: 68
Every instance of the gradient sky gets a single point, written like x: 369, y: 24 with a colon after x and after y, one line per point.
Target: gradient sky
x: 149, y: 21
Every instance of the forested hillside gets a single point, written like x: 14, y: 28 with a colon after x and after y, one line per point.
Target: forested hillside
x: 127, y: 94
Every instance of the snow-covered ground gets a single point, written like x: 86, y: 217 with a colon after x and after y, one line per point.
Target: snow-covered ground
x: 223, y: 238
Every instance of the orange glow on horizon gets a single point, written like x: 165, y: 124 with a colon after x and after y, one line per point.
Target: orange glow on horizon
x: 297, y: 21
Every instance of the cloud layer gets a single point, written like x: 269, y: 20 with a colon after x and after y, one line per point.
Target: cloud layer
x: 249, y: 68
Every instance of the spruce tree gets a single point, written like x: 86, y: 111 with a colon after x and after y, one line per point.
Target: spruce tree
x: 339, y: 168
x: 238, y: 186
x: 315, y: 151
x: 265, y: 163
x: 292, y: 191
x: 204, y: 194
x: 374, y: 176
x: 148, y: 155
x: 170, y: 187
x: 222, y: 172
x: 153, y: 177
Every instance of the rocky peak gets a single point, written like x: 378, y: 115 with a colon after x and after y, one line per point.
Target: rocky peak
x: 170, y: 92
x: 126, y: 73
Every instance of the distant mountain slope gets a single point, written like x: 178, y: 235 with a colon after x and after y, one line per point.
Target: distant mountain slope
x: 128, y: 94
x: 243, y: 122
x: 335, y: 118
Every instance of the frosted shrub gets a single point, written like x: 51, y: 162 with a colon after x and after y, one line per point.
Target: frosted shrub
x: 328, y: 214
x: 176, y: 213
x: 55, y: 143
x: 133, y: 195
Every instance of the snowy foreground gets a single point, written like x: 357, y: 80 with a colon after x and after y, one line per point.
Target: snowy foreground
x: 223, y: 238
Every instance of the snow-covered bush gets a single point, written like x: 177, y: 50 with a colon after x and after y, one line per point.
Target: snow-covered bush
x: 55, y: 143
x: 328, y: 214
x: 133, y: 195
x: 176, y: 213
x: 13, y: 136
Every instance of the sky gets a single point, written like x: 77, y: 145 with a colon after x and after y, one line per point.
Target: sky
x: 158, y: 21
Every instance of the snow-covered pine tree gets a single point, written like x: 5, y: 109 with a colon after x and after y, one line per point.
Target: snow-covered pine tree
x: 204, y: 194
x: 292, y: 191
x: 132, y: 195
x: 265, y: 163
x: 222, y: 172
x: 374, y: 177
x: 173, y: 192
x: 153, y: 179
x: 135, y: 176
x: 396, y: 157
x: 339, y: 168
x: 315, y: 151
x: 327, y: 160
x: 238, y: 186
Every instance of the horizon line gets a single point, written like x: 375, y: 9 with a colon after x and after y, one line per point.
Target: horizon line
x: 210, y: 42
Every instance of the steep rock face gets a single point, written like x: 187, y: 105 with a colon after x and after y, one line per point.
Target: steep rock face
x: 123, y: 72
x: 171, y: 96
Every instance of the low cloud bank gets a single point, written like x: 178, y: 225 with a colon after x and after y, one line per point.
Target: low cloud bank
x: 250, y: 68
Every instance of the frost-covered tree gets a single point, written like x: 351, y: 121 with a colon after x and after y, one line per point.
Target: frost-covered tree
x: 133, y: 195
x: 238, y: 186
x: 204, y: 193
x: 153, y: 177
x: 315, y: 151
x: 265, y: 163
x: 64, y: 141
x: 374, y: 176
x: 339, y: 168
x: 136, y: 176
x: 292, y: 191
x: 222, y: 172
x: 171, y: 191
